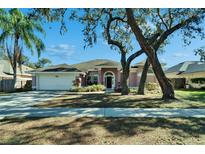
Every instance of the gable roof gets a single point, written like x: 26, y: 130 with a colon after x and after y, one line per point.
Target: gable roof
x: 187, y: 67
x: 58, y: 68
x: 84, y: 66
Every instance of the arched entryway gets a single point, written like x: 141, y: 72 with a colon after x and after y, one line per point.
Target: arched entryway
x: 109, y: 80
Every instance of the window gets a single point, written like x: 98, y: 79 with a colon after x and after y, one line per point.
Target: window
x: 95, y: 79
x: 92, y: 79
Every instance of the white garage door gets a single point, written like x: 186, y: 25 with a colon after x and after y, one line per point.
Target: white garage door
x: 56, y: 81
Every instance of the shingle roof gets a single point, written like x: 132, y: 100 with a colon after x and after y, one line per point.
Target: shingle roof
x: 187, y: 67
x: 84, y: 66
x: 58, y: 68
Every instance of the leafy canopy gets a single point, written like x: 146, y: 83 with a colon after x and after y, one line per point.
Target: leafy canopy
x: 15, y: 25
x: 151, y: 22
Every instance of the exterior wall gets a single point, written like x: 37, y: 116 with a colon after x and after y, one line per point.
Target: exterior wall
x: 188, y: 75
x: 33, y: 82
x: 113, y: 70
x: 101, y: 73
x: 83, y: 79
x: 133, y: 79
x: 151, y: 78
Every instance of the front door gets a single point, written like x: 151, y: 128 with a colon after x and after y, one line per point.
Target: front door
x: 109, y: 82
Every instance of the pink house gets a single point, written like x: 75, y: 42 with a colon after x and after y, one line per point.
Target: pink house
x: 99, y: 71
x: 109, y: 73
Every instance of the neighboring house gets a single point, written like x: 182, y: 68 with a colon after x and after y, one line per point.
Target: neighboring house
x: 6, y: 76
x: 182, y: 73
x: 6, y: 71
x: 99, y: 71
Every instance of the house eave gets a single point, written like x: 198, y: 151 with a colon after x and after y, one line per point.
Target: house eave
x: 107, y: 67
x: 57, y: 72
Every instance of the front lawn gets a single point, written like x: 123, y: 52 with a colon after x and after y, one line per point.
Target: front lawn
x: 185, y: 99
x: 67, y: 130
x: 3, y: 94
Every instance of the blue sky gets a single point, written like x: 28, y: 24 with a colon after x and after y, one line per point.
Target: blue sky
x: 69, y: 47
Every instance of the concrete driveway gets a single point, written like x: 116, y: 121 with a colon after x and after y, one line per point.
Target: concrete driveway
x: 26, y: 99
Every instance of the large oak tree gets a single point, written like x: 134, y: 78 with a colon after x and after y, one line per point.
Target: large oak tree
x: 188, y: 20
x: 151, y: 28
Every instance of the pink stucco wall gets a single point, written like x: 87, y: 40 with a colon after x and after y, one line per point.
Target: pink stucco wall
x: 133, y: 80
x: 113, y: 70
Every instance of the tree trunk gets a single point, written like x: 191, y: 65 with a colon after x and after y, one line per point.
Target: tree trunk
x: 14, y: 62
x: 166, y: 86
x: 125, y: 75
x: 143, y: 78
x: 14, y: 79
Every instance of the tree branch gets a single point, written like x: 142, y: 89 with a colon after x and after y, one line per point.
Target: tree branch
x: 170, y: 18
x: 110, y: 40
x: 162, y: 20
x: 144, y: 44
x: 151, y: 40
x: 168, y: 32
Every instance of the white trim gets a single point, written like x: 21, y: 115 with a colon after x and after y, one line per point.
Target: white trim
x: 148, y: 74
x: 93, y: 70
x: 107, y: 67
x: 57, y: 72
x: 113, y: 75
x: 134, y: 70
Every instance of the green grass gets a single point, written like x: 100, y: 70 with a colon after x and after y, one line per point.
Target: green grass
x: 191, y: 95
x: 3, y: 94
x: 68, y: 130
x: 185, y: 99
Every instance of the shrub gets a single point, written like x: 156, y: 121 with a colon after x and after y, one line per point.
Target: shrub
x: 133, y: 90
x: 27, y: 86
x: 92, y: 88
x: 152, y: 87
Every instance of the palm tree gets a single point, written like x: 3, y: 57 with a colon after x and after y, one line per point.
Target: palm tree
x: 19, y: 30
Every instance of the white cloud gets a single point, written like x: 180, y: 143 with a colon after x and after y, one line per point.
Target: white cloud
x: 180, y: 54
x: 61, y: 51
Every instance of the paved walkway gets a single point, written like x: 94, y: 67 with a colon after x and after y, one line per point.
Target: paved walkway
x: 20, y: 105
x: 102, y: 112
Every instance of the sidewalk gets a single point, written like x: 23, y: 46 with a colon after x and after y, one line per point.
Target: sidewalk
x: 101, y: 112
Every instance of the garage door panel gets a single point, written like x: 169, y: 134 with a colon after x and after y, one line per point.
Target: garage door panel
x: 56, y: 82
